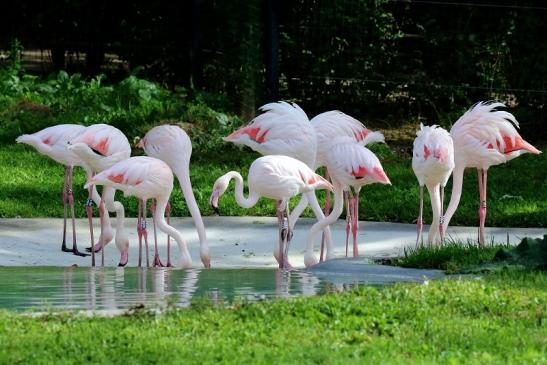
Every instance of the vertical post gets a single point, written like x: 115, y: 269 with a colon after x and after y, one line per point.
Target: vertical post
x: 272, y: 50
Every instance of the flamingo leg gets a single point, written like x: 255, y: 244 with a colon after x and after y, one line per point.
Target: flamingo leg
x: 89, y: 211
x: 70, y: 198
x: 157, y: 261
x: 355, y: 225
x: 145, y: 232
x: 482, y: 209
x: 168, y: 213
x: 139, y: 231
x: 65, y: 205
x: 348, y: 196
x: 102, y: 211
x: 326, y: 211
x: 288, y: 237
x: 420, y: 222
x: 278, y: 250
x: 441, y: 219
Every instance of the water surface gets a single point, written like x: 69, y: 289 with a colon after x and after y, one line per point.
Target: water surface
x: 79, y: 288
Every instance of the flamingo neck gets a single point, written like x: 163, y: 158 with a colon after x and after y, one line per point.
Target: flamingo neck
x: 159, y: 218
x: 331, y: 218
x: 182, y: 171
x: 457, y: 182
x: 435, y: 197
x: 243, y: 202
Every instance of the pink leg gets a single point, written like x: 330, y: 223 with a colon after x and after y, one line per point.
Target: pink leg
x: 65, y: 204
x: 168, y: 212
x: 140, y: 231
x: 157, y: 261
x: 280, y: 234
x: 420, y: 222
x: 441, y: 222
x: 355, y: 226
x: 145, y: 233
x: 482, y: 209
x: 89, y: 211
x: 70, y: 198
x: 286, y: 235
x: 102, y: 211
x: 326, y: 211
x: 349, y: 211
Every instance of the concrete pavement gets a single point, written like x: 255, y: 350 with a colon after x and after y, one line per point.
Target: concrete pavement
x: 233, y: 241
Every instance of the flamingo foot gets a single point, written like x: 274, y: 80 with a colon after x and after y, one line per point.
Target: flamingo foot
x: 124, y: 258
x: 78, y: 253
x: 98, y: 247
x: 157, y: 262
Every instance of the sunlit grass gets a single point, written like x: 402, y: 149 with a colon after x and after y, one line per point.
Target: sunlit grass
x: 499, y: 318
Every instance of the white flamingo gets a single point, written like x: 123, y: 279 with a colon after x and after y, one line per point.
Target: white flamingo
x: 275, y: 177
x: 432, y: 162
x: 146, y: 178
x: 484, y: 136
x: 172, y: 145
x: 100, y: 146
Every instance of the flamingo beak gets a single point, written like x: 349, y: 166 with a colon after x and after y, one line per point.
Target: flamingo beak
x: 206, y: 262
x: 213, y: 200
x: 141, y: 143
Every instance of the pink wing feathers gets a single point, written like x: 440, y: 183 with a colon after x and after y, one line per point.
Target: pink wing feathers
x: 282, y: 129
x: 355, y: 165
x: 488, y: 136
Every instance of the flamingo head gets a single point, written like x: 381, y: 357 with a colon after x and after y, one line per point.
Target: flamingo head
x: 141, y: 143
x: 219, y: 188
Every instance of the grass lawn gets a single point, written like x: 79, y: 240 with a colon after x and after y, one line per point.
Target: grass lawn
x: 499, y: 318
x: 517, y: 191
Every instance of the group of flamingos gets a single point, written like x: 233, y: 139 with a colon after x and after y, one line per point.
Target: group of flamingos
x: 293, y: 148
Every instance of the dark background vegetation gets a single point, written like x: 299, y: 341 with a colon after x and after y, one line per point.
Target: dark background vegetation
x: 385, y: 62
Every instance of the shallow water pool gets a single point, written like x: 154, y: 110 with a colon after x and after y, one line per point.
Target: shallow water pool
x: 114, y: 289
x: 75, y: 288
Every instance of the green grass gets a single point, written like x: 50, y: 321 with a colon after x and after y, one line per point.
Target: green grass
x: 453, y: 257
x: 517, y: 191
x: 500, y: 318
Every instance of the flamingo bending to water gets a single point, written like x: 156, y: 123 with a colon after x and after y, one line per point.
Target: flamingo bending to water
x: 432, y: 162
x: 284, y: 129
x: 52, y: 142
x: 276, y: 177
x: 349, y: 165
x: 146, y: 178
x: 172, y: 145
x: 100, y: 146
x: 483, y: 136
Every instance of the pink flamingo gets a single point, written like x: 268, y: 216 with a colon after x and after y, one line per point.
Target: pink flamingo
x: 432, y: 162
x: 52, y: 142
x: 330, y: 125
x: 349, y: 165
x: 484, y: 136
x: 146, y: 178
x: 276, y: 177
x: 284, y: 129
x: 100, y: 146
x: 172, y: 145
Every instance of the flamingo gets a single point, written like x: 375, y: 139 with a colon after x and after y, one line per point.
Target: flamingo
x: 432, y: 162
x: 284, y: 129
x: 100, y: 146
x: 276, y: 177
x: 483, y: 136
x: 349, y: 165
x: 52, y: 142
x: 330, y: 125
x: 146, y: 178
x: 172, y: 145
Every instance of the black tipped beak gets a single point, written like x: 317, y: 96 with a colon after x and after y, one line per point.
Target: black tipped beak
x: 217, y: 212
